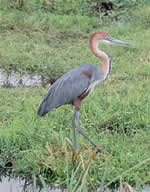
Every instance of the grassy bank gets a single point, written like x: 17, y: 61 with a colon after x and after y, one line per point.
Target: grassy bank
x: 116, y: 115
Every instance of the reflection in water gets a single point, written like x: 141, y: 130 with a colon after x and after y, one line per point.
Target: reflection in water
x: 11, y: 181
x: 19, y: 185
x: 9, y: 184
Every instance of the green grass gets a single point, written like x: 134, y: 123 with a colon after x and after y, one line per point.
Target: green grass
x: 51, y: 45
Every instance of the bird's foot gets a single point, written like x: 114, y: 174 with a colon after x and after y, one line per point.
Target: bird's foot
x: 75, y: 147
x: 99, y: 150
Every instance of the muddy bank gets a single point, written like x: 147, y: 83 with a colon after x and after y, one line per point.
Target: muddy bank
x: 14, y: 80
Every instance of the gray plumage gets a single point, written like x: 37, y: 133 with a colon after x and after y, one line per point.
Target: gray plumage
x: 70, y: 86
x: 75, y: 85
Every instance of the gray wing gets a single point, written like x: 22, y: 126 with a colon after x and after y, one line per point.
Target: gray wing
x: 64, y: 90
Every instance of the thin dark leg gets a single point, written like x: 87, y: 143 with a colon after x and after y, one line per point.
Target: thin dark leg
x: 81, y: 131
x: 73, y: 129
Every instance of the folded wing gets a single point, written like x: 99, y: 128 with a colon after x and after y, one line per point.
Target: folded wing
x: 65, y: 90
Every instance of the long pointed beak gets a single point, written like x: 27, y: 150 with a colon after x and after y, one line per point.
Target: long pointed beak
x: 110, y: 40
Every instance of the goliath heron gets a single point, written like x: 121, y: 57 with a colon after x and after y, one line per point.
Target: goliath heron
x: 75, y: 85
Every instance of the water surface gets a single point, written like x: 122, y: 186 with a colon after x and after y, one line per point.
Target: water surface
x: 9, y: 184
x: 19, y: 185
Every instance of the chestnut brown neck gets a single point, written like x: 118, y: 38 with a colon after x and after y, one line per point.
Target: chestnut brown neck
x: 106, y: 68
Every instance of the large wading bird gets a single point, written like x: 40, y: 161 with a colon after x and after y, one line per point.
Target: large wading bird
x: 74, y: 86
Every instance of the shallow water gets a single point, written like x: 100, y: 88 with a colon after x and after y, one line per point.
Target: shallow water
x: 19, y: 185
x: 8, y: 184
x: 13, y: 80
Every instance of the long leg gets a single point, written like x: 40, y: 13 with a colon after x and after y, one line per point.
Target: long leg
x: 81, y: 131
x: 73, y: 129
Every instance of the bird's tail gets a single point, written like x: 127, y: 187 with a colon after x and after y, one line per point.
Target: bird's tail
x: 41, y: 111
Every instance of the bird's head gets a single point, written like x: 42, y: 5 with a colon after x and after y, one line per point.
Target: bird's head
x: 104, y: 38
